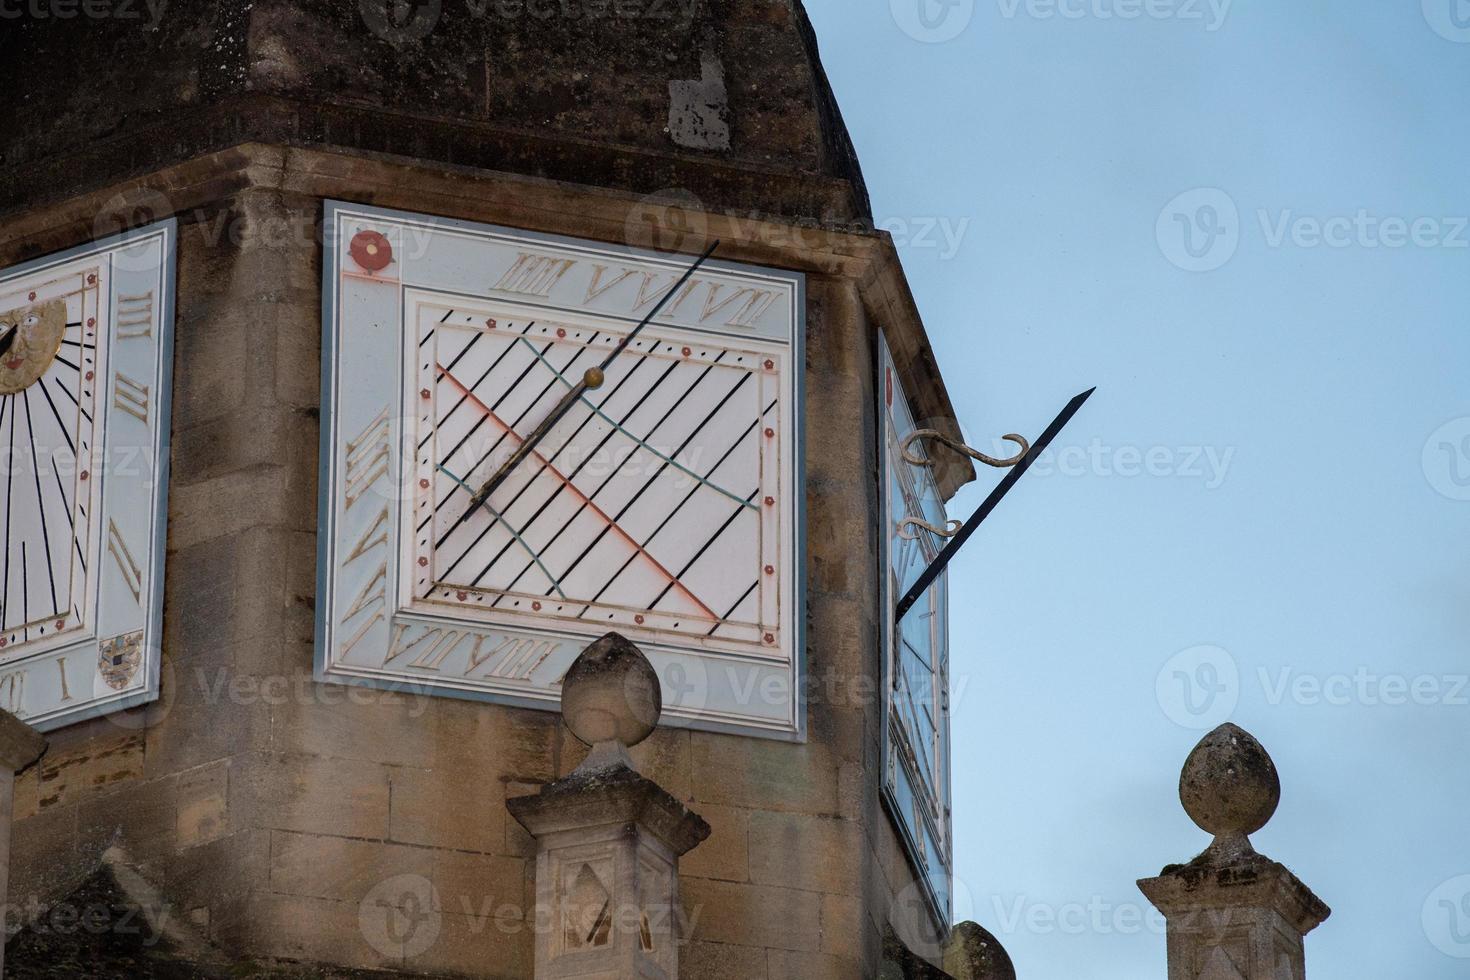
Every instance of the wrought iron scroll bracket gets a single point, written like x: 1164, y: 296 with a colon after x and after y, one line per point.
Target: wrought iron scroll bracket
x: 1018, y: 470
x: 914, y: 459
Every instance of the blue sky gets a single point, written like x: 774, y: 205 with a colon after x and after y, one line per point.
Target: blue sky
x: 1246, y: 222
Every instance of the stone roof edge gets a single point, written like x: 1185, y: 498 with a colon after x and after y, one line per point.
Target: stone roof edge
x: 863, y: 255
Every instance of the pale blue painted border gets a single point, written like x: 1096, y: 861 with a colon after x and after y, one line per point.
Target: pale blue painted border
x: 331, y: 210
x: 167, y: 230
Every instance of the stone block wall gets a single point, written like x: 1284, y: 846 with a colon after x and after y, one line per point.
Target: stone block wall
x: 269, y: 809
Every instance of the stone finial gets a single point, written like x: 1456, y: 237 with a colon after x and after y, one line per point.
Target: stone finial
x: 974, y: 954
x: 1230, y: 788
x: 608, y: 840
x: 611, y: 699
x: 1233, y: 914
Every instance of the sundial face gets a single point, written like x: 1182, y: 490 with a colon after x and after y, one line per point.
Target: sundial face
x: 663, y: 504
x: 84, y: 389
x: 916, y: 689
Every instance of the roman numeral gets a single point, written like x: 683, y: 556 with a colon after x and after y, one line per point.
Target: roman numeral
x: 434, y: 646
x: 65, y: 690
x: 130, y: 396
x: 135, y: 316
x: 375, y: 535
x: 373, y: 594
x: 595, y: 289
x: 131, y: 573
x: 367, y: 457
x: 13, y: 691
x: 534, y: 275
x: 516, y: 658
x: 757, y: 301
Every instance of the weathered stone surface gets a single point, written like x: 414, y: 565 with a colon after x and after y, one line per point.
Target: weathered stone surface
x: 1232, y: 912
x: 974, y: 954
x: 240, y: 128
x: 1229, y: 784
x: 611, y: 694
x: 725, y: 98
x: 20, y: 744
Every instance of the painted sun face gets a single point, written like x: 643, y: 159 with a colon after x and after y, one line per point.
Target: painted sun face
x: 30, y: 338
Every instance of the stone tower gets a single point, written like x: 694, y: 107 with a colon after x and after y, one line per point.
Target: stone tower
x: 308, y: 758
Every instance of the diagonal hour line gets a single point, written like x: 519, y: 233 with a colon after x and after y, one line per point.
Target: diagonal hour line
x: 680, y: 506
x: 654, y: 478
x: 519, y: 540
x: 611, y: 525
x: 555, y: 493
x: 652, y: 451
x: 517, y: 383
x: 648, y: 393
x: 481, y: 380
x: 509, y: 390
x: 598, y: 448
x: 588, y: 457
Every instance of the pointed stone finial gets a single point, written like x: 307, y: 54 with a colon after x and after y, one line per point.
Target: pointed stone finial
x: 974, y: 954
x: 608, y: 840
x: 1230, y: 789
x: 611, y: 699
x: 1232, y: 913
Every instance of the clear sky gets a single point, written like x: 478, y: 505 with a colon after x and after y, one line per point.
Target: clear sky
x: 1247, y: 224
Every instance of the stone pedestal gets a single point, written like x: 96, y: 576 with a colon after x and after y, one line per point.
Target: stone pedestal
x: 608, y: 840
x: 1243, y: 922
x: 607, y: 875
x: 20, y: 745
x: 1233, y: 914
